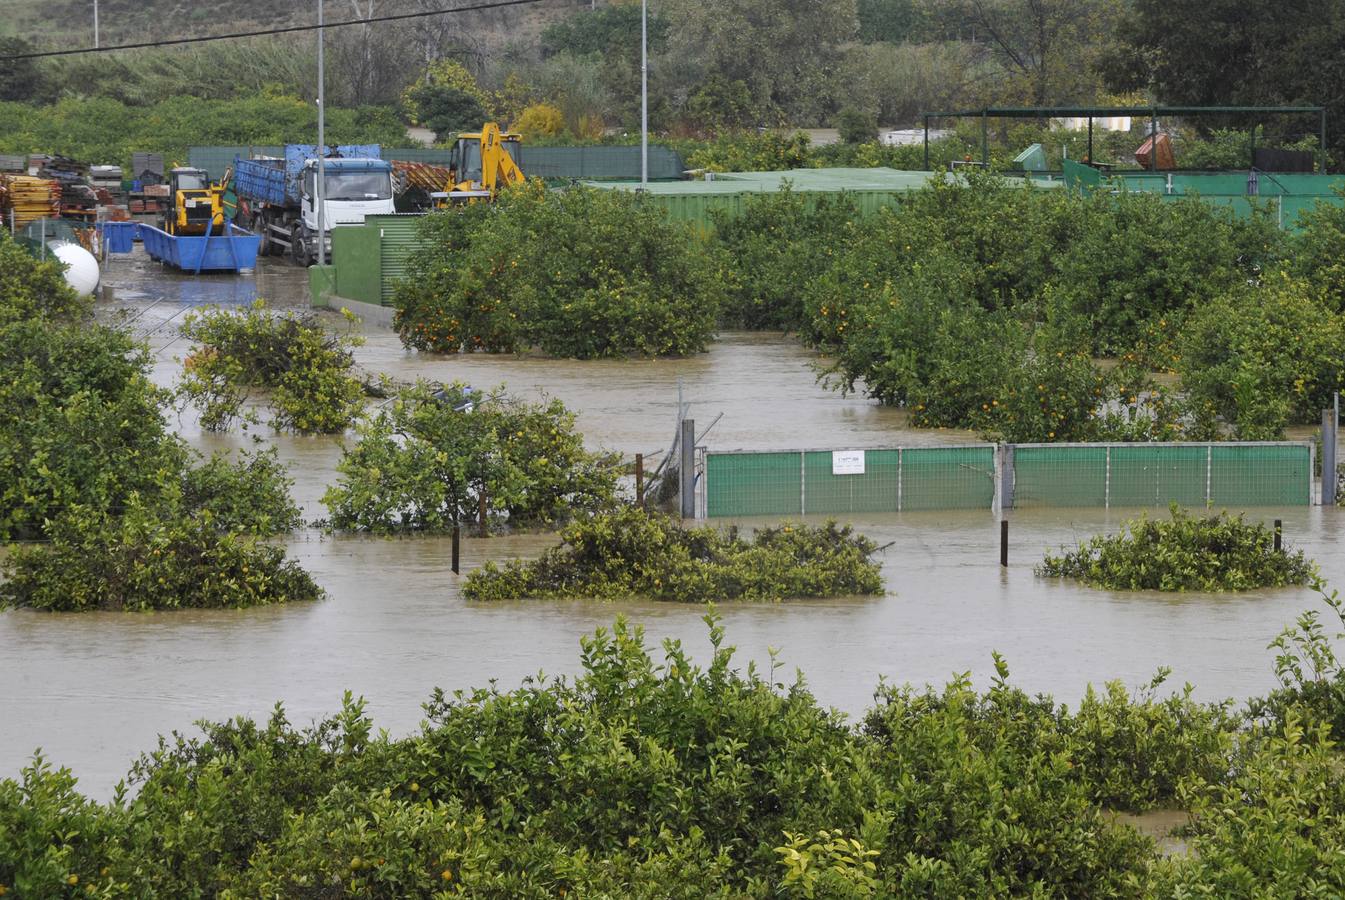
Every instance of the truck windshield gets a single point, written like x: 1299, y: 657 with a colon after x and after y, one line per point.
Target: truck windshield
x: 359, y: 185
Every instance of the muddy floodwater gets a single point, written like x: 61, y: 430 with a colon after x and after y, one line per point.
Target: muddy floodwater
x: 94, y: 690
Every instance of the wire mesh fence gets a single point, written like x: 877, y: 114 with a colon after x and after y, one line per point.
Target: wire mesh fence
x: 803, y: 482
x: 1107, y: 475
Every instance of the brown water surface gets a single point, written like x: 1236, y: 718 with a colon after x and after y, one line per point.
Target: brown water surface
x: 93, y: 690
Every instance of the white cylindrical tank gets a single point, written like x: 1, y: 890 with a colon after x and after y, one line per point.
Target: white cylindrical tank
x: 81, y: 268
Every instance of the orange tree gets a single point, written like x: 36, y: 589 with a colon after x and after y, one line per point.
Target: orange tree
x: 580, y: 273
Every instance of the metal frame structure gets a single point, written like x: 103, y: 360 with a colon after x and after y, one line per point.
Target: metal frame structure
x: 1101, y: 112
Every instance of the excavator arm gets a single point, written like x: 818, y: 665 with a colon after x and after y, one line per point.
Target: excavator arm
x: 498, y: 168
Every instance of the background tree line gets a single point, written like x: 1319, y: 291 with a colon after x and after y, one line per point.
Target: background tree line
x: 568, y: 70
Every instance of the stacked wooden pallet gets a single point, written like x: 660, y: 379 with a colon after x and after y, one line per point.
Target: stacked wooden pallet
x: 427, y: 177
x: 25, y: 199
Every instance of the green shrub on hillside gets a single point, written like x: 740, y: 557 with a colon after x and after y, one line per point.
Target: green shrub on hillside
x: 1185, y: 553
x: 580, y: 273
x: 100, y: 130
x: 633, y: 554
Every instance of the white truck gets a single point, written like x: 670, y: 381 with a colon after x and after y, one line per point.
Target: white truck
x: 278, y: 196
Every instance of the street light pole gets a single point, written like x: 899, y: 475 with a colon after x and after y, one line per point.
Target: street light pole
x: 644, y: 95
x: 322, y: 145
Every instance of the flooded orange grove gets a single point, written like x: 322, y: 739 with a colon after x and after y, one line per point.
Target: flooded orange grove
x: 93, y: 690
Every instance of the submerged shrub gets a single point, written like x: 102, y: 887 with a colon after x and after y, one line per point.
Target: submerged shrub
x: 80, y: 424
x: 1274, y: 829
x: 424, y: 461
x: 1264, y: 357
x: 631, y: 553
x: 251, y: 494
x: 145, y: 560
x: 1186, y: 553
x: 581, y: 273
x: 651, y: 776
x: 778, y: 243
x: 307, y: 370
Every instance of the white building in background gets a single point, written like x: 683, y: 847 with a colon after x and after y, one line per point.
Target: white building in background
x: 1105, y: 123
x: 906, y: 137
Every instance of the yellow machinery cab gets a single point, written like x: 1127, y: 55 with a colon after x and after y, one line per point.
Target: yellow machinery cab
x: 198, y: 207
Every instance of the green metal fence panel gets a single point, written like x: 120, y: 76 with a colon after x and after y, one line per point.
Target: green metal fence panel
x: 435, y: 156
x: 877, y: 490
x: 1121, y: 475
x: 1041, y: 475
x: 1157, y: 474
x: 1059, y: 476
x: 947, y: 478
x: 357, y: 261
x: 216, y: 160
x: 1261, y: 474
x: 753, y: 484
x: 599, y: 162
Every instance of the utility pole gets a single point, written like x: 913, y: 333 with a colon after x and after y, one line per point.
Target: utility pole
x: 322, y: 144
x: 95, y: 24
x: 644, y: 95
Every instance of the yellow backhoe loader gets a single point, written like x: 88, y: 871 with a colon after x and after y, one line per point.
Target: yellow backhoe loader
x: 485, y: 162
x: 197, y: 205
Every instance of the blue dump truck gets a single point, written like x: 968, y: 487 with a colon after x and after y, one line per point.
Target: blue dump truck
x: 277, y: 196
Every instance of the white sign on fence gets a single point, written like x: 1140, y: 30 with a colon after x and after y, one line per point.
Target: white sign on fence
x: 847, y: 462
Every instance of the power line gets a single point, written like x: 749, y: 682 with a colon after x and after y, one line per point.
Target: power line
x: 290, y: 29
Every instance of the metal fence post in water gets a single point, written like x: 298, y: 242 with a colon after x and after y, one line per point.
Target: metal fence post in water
x: 686, y: 477
x: 1004, y: 543
x: 457, y: 538
x: 1279, y: 535
x: 639, y: 480
x: 1328, y: 457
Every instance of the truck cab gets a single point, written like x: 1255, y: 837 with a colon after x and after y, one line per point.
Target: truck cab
x: 355, y: 188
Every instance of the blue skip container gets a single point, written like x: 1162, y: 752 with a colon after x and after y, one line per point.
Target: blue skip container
x: 214, y: 253
x: 119, y: 237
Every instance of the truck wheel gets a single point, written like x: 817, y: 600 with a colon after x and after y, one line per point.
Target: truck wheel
x: 299, y: 246
x: 259, y: 228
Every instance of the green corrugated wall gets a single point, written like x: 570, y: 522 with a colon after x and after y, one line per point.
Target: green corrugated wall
x: 398, y: 238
